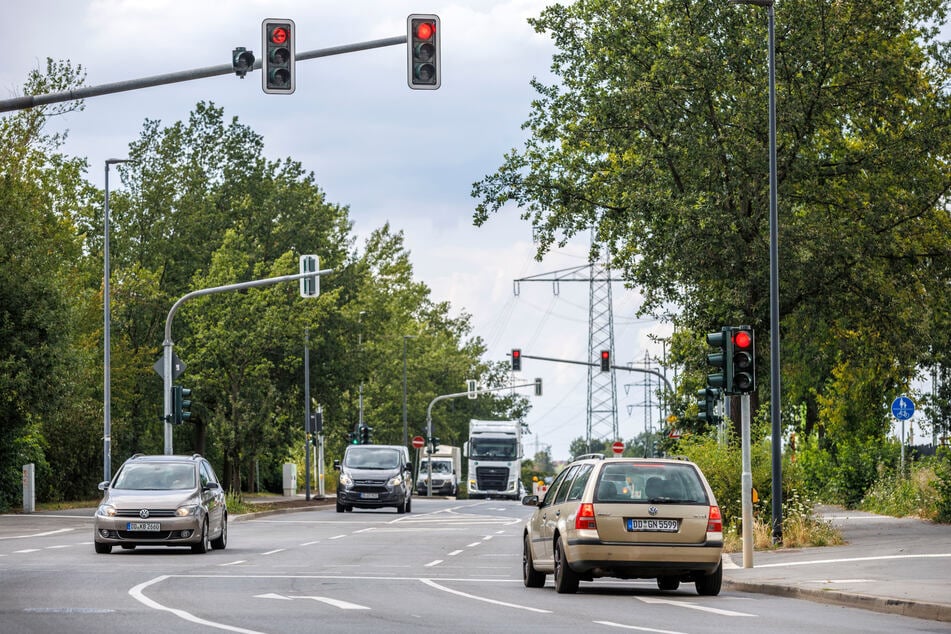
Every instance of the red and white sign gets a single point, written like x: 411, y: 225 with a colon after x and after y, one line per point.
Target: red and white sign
x: 418, y: 442
x: 618, y: 447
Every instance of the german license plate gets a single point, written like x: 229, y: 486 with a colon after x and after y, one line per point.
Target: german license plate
x: 653, y: 525
x: 370, y: 496
x: 143, y: 526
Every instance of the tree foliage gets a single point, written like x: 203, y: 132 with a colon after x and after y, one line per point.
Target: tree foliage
x: 655, y: 135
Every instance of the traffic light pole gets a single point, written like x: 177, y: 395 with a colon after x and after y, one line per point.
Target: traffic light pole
x: 444, y: 397
x: 31, y: 101
x: 167, y: 345
x: 746, y: 484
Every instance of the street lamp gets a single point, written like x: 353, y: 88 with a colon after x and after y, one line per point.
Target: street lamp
x: 774, y: 380
x: 405, y: 429
x: 107, y: 339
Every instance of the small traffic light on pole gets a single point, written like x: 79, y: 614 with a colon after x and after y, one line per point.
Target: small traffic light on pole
x: 277, y: 67
x: 433, y: 445
x: 365, y: 432
x: 181, y: 404
x: 605, y: 360
x: 744, y: 360
x: 242, y: 60
x: 516, y: 360
x: 309, y: 286
x: 422, y: 51
x: 707, y: 400
x: 722, y: 359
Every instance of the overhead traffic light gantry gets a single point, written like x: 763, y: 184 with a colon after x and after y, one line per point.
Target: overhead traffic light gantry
x: 422, y: 51
x: 277, y: 67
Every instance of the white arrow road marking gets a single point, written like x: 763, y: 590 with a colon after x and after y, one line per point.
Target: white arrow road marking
x: 337, y: 603
x: 138, y: 594
x: 693, y: 606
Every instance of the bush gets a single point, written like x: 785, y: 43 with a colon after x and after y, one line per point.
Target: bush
x: 942, y: 486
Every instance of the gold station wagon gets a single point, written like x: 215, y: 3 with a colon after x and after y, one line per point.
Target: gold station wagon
x: 630, y: 518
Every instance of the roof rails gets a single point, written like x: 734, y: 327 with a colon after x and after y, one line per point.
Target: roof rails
x: 589, y: 456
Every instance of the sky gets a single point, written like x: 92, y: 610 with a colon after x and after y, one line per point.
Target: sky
x: 390, y: 153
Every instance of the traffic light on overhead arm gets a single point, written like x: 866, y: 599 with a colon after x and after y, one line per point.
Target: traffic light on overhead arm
x: 605, y: 360
x: 422, y: 51
x: 516, y: 360
x: 277, y: 67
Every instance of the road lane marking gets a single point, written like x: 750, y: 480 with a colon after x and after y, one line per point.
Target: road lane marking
x: 454, y: 553
x: 638, y: 628
x: 277, y: 550
x: 433, y: 584
x: 337, y: 603
x: 28, y: 550
x: 337, y: 537
x: 693, y: 606
x: 311, y: 543
x: 59, y: 530
x: 138, y: 594
x: 234, y: 563
x: 853, y: 559
x: 433, y: 563
x: 473, y: 544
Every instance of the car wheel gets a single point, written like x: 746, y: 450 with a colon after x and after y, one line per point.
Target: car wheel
x: 530, y: 577
x: 409, y: 504
x: 339, y: 507
x: 566, y: 579
x: 709, y: 585
x: 103, y: 549
x: 668, y: 583
x: 401, y: 508
x: 204, y: 545
x: 348, y: 509
x: 221, y: 541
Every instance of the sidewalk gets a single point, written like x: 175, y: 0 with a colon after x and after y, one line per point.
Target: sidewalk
x: 891, y: 565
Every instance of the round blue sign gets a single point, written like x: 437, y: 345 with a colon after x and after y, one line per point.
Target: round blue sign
x: 903, y: 408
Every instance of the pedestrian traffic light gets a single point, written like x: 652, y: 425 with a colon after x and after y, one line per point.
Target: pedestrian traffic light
x: 516, y: 360
x: 277, y: 67
x: 181, y: 404
x: 722, y: 359
x: 707, y: 400
x: 309, y: 286
x: 744, y: 360
x: 605, y: 360
x: 365, y: 432
x: 422, y: 51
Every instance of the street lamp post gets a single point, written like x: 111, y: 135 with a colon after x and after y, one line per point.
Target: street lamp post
x: 774, y: 378
x: 107, y: 338
x: 405, y: 427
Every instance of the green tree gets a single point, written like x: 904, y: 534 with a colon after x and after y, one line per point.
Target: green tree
x: 655, y: 135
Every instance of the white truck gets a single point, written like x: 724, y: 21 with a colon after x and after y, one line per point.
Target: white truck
x: 446, y: 465
x: 494, y: 450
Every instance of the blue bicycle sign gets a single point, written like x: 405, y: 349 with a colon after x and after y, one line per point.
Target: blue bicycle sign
x: 903, y: 408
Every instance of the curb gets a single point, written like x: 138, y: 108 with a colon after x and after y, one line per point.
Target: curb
x: 901, y: 607
x: 315, y: 504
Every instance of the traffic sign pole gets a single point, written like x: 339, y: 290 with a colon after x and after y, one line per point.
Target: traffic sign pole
x: 903, y: 408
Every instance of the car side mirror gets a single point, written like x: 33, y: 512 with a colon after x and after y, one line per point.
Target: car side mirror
x: 530, y: 500
x: 336, y: 465
x: 211, y: 486
x: 104, y: 485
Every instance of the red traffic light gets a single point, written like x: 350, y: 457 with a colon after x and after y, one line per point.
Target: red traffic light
x: 279, y: 35
x: 742, y: 339
x: 425, y: 30
x: 605, y: 360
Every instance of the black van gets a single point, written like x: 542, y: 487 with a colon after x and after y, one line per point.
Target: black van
x: 374, y: 476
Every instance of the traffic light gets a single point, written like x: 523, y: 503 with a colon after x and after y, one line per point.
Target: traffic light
x: 353, y: 438
x: 309, y: 286
x: 433, y: 445
x: 242, y: 60
x: 277, y: 67
x: 422, y: 51
x: 538, y: 387
x: 365, y: 434
x: 605, y: 360
x: 707, y: 400
x: 723, y: 359
x: 181, y: 404
x: 744, y: 361
x: 516, y: 360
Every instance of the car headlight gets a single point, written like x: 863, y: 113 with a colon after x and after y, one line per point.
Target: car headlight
x: 106, y: 510
x: 346, y: 480
x: 187, y: 509
x: 395, y: 481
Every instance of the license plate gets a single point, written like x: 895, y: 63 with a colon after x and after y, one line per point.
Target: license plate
x: 660, y: 526
x: 143, y: 526
x: 370, y: 496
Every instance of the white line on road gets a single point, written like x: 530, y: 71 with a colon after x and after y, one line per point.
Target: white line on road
x: 473, y: 544
x: 433, y: 584
x: 693, y: 606
x: 433, y: 563
x: 638, y: 628
x: 853, y: 559
x: 454, y: 553
x: 277, y: 550
x: 137, y: 594
x: 59, y: 530
x: 337, y: 537
x: 233, y: 563
x: 316, y: 541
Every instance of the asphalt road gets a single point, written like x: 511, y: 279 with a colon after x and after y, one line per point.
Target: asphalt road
x: 447, y: 566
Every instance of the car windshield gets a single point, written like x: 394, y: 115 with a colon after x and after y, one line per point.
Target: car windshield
x: 492, y: 449
x: 155, y: 477
x: 650, y: 482
x: 368, y: 457
x: 439, y: 466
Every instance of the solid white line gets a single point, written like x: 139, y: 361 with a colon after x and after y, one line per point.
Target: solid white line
x: 693, y: 606
x: 59, y: 530
x: 853, y: 559
x: 433, y: 584
x: 137, y: 594
x: 635, y: 627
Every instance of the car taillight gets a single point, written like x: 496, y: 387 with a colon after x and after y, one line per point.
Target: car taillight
x: 584, y: 518
x: 715, y: 520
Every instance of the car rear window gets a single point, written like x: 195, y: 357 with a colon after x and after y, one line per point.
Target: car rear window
x: 667, y: 483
